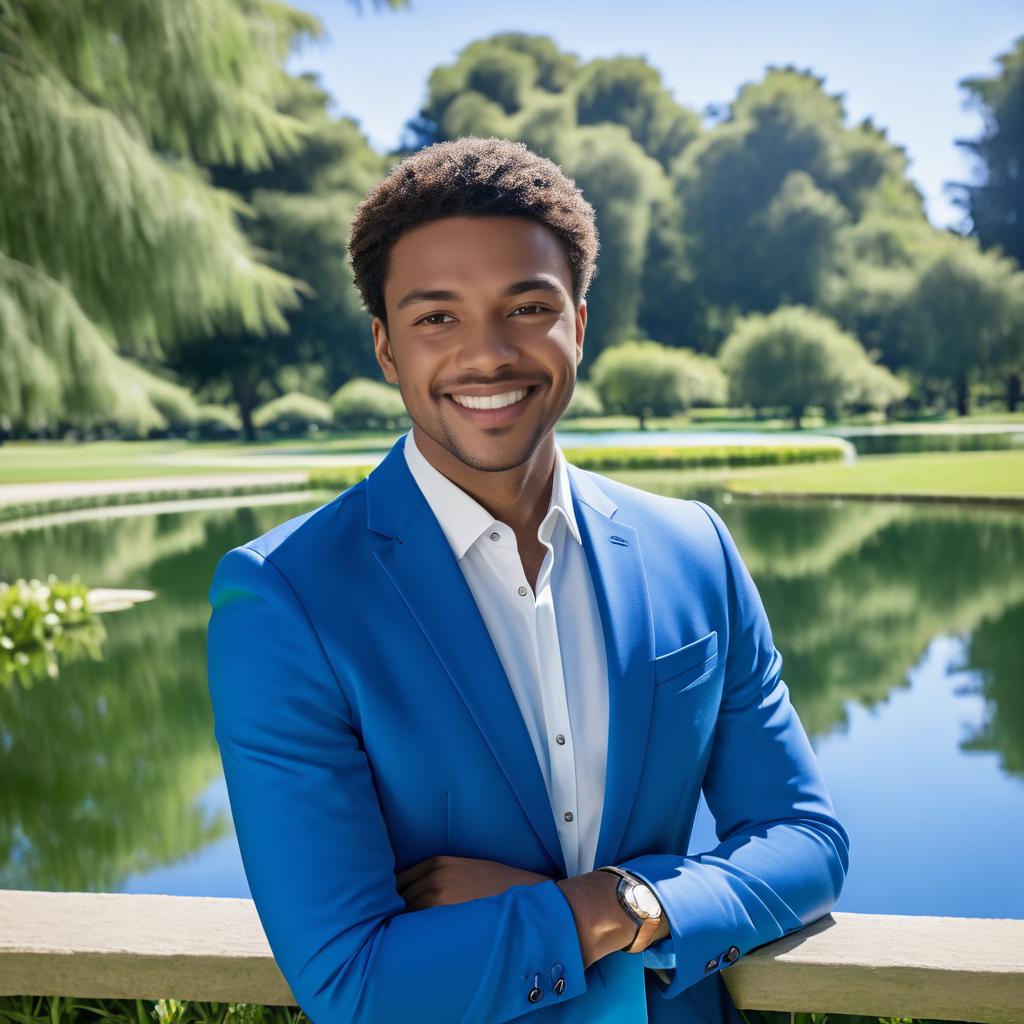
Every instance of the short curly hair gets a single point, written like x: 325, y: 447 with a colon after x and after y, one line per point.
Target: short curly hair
x: 469, y: 176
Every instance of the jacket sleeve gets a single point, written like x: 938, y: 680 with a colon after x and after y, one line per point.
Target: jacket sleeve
x: 782, y: 856
x: 315, y: 848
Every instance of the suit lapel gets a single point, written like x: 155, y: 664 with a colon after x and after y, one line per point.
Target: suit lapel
x: 612, y: 547
x: 426, y: 573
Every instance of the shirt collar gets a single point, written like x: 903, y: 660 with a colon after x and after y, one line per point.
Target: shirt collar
x: 463, y: 519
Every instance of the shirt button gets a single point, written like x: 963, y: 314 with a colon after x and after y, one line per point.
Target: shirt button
x: 711, y: 965
x: 523, y: 591
x: 495, y: 536
x: 568, y: 815
x: 560, y: 739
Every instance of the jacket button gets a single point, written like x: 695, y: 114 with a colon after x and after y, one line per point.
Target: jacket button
x: 536, y: 995
x: 731, y: 954
x: 559, y: 987
x: 711, y: 964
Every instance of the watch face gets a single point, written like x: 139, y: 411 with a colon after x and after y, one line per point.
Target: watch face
x: 643, y: 901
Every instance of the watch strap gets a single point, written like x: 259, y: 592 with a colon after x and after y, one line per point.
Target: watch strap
x: 647, y: 927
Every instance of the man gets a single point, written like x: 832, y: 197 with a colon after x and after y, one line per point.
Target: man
x: 450, y: 699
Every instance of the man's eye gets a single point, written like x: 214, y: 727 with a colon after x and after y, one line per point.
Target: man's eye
x: 430, y: 316
x: 530, y: 305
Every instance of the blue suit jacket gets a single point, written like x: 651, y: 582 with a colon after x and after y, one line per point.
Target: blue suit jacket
x: 365, y: 723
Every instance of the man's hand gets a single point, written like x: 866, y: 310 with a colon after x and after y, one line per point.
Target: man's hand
x: 438, y: 881
x: 602, y: 925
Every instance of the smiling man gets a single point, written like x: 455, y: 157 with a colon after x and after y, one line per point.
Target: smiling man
x: 466, y: 708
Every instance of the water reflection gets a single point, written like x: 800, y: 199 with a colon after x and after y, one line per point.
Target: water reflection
x: 110, y: 777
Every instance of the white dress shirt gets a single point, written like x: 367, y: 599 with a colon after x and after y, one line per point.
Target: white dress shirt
x: 551, y: 644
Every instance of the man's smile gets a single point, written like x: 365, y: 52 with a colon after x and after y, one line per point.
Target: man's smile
x: 493, y: 410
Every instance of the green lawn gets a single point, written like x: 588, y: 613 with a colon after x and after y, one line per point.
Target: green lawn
x: 23, y: 462
x: 956, y: 474
x: 993, y: 474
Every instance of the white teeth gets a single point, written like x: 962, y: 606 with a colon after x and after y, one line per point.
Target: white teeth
x: 491, y: 401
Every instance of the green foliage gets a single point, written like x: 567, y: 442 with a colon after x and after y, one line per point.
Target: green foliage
x: 338, y: 478
x: 642, y: 378
x: 767, y: 194
x: 492, y: 79
x: 38, y: 622
x: 965, y: 313
x: 148, y: 402
x: 65, y: 1010
x: 74, y: 1010
x: 796, y: 357
x: 704, y: 382
x: 625, y: 185
x: 365, y: 403
x: 700, y: 456
x: 116, y: 127
x: 293, y: 413
x: 628, y: 91
x: 302, y: 208
x: 994, y: 202
x: 112, y: 242
x: 215, y: 421
x: 584, y: 402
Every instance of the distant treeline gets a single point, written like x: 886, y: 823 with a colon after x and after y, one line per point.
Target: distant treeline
x: 175, y: 206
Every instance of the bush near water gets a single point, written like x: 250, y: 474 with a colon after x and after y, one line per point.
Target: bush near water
x: 338, y: 478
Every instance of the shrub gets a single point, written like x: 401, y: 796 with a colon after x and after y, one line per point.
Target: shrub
x: 293, y: 413
x: 584, y: 402
x: 797, y: 357
x: 366, y: 403
x: 216, y: 421
x: 641, y: 378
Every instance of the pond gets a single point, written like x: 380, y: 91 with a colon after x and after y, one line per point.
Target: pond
x: 900, y: 627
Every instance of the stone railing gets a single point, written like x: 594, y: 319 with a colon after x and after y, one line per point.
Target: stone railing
x: 128, y: 946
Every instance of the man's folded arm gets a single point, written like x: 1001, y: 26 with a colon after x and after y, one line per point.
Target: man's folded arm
x: 782, y: 856
x: 315, y: 847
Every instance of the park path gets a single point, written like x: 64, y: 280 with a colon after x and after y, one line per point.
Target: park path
x: 17, y: 494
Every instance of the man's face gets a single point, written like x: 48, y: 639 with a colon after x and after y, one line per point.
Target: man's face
x: 481, y: 305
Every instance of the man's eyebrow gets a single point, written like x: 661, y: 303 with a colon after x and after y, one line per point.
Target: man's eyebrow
x: 440, y: 295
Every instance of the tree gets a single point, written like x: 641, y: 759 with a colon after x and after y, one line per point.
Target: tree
x: 112, y: 241
x: 995, y: 204
x: 766, y: 194
x: 640, y: 378
x: 624, y: 185
x: 301, y: 208
x: 796, y: 357
x: 964, y: 316
x: 628, y: 91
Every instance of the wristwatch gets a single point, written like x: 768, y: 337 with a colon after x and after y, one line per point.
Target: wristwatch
x: 637, y: 899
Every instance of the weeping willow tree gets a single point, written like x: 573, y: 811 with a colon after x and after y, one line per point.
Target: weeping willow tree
x: 113, y: 240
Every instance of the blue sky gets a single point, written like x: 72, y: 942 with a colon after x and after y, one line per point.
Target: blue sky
x: 898, y: 63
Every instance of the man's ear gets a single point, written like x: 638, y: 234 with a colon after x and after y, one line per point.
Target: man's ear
x: 382, y: 350
x: 581, y: 327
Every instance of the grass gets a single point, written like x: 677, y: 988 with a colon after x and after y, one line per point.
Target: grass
x: 985, y: 474
x: 994, y: 475
x: 70, y: 1010
x: 23, y: 462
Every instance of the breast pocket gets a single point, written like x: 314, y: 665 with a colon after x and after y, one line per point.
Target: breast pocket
x: 687, y: 665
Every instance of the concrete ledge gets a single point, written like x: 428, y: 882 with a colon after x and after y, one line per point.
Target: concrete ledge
x: 947, y: 968
x: 133, y: 946
x: 114, y: 945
